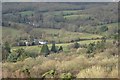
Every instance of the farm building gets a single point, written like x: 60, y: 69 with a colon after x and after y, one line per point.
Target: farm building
x: 23, y: 43
x: 31, y: 43
x: 38, y: 42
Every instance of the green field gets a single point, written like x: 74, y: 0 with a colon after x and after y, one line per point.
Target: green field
x: 64, y: 12
x: 11, y: 32
x: 28, y: 13
x: 73, y: 17
x: 37, y: 48
x: 113, y: 27
x: 69, y: 14
x: 15, y: 32
x: 65, y: 34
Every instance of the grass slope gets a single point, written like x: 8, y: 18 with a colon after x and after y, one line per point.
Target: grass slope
x: 28, y: 13
x: 37, y: 48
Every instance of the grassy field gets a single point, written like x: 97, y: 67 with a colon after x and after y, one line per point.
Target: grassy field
x: 13, y: 33
x: 113, y: 27
x: 37, y: 48
x: 69, y: 14
x: 10, y: 31
x: 74, y: 17
x: 66, y: 12
x: 67, y: 33
x: 57, y: 35
x: 28, y: 13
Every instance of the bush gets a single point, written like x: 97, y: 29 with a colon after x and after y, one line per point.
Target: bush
x: 12, y: 57
x: 26, y: 71
x: 31, y: 54
x: 49, y: 74
x: 81, y: 51
x: 66, y: 76
x: 91, y: 48
x: 20, y: 54
x: 94, y: 72
x: 100, y: 46
x: 103, y: 28
x: 20, y: 51
x: 75, y: 45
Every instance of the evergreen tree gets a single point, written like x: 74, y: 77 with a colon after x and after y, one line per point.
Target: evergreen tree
x: 45, y: 50
x: 6, y: 50
x: 53, y: 48
x: 5, y: 54
x: 61, y: 48
x: 7, y: 47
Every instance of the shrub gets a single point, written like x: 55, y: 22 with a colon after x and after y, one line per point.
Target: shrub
x: 26, y: 71
x: 100, y: 46
x: 114, y: 73
x: 12, y: 57
x: 22, y: 54
x: 91, y: 48
x: 31, y: 54
x: 20, y: 51
x: 72, y: 65
x: 75, y: 45
x: 112, y: 51
x: 103, y: 28
x: 49, y: 74
x: 94, y: 72
x: 66, y: 76
x: 81, y: 50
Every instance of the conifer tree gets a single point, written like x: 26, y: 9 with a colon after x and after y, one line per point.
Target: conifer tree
x: 61, y: 48
x: 53, y: 48
x: 45, y: 50
x: 7, y: 47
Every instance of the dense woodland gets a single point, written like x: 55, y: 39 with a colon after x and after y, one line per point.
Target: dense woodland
x: 50, y: 15
x: 82, y: 40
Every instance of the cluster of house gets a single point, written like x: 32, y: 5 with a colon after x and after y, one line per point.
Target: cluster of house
x: 33, y: 24
x: 30, y: 43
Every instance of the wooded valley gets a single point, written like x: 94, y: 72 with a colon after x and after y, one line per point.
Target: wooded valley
x: 66, y: 40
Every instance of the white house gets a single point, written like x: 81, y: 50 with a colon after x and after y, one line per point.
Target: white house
x: 41, y: 42
x: 26, y: 43
x: 23, y: 43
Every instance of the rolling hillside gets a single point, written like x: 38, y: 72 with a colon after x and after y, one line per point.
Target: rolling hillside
x: 65, y: 40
